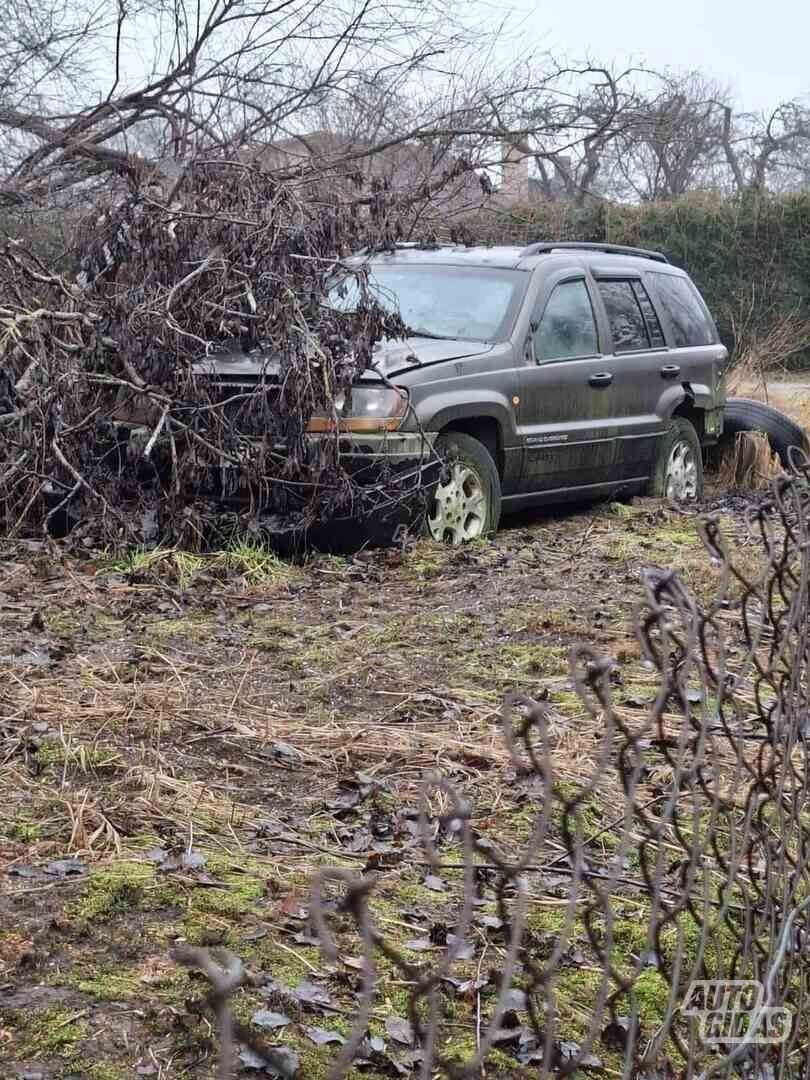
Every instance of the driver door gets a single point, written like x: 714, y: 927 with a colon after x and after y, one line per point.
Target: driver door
x: 566, y: 416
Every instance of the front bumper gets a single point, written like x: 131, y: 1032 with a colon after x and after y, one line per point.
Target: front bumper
x: 389, y: 464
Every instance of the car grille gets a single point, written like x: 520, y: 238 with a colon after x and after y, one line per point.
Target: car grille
x: 243, y: 407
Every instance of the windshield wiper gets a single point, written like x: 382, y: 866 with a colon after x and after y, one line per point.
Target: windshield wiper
x: 428, y: 334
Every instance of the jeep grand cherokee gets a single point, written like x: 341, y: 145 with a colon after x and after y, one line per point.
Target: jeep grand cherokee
x: 539, y: 374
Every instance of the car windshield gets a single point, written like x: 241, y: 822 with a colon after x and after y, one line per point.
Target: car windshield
x: 472, y: 304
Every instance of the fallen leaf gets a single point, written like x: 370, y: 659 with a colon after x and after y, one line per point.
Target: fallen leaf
x: 304, y: 937
x: 186, y: 860
x: 250, y: 1059
x: 419, y: 944
x: 347, y: 799
x: 322, y: 1037
x: 400, y: 1030
x: 308, y: 993
x: 434, y: 883
x: 491, y: 922
x: 515, y: 998
x: 266, y: 1018
x: 284, y: 750
x: 462, y: 950
x: 290, y: 904
x: 284, y: 1062
x: 63, y: 867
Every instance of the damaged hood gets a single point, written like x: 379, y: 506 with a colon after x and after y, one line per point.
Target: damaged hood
x: 390, y: 357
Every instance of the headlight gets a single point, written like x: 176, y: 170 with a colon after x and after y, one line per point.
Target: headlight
x: 372, y: 408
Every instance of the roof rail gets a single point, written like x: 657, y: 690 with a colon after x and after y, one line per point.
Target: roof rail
x: 608, y: 249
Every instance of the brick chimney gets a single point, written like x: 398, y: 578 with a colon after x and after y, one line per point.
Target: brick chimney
x: 514, y: 174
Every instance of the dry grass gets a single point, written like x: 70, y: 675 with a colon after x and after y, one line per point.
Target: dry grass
x: 749, y: 463
x: 224, y: 717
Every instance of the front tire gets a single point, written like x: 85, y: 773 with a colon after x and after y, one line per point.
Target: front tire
x: 679, y: 466
x: 466, y: 503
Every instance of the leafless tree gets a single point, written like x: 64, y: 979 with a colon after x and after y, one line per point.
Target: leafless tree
x: 672, y: 144
x: 768, y: 150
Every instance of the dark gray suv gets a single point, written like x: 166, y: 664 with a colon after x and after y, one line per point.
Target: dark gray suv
x: 552, y: 372
x: 556, y: 371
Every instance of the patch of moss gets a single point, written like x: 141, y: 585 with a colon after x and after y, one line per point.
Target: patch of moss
x: 191, y: 629
x: 622, y: 510
x: 576, y: 991
x: 242, y: 892
x: 548, y: 920
x: 630, y: 941
x: 677, y: 537
x: 119, y: 888
x: 51, y: 1031
x: 64, y: 623
x: 684, y: 936
x: 514, y: 662
x: 461, y: 1050
x: 651, y: 992
x: 105, y: 983
x: 265, y: 955
x: 25, y: 832
x: 424, y: 568
x: 103, y: 1070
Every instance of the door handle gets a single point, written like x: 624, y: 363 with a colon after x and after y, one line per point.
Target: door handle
x: 670, y: 371
x: 602, y: 378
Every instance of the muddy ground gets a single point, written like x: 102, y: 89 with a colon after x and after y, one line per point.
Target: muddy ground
x: 183, y: 742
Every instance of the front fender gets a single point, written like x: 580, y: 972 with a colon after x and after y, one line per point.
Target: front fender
x: 438, y: 410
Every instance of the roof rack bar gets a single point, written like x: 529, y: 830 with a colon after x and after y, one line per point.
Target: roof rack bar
x: 608, y: 249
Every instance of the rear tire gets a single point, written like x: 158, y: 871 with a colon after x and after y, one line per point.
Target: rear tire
x: 466, y: 503
x: 743, y: 414
x: 678, y: 471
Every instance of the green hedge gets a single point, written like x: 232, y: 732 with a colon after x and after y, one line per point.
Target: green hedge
x: 749, y: 256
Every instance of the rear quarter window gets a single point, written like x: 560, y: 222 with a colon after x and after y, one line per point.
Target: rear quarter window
x: 690, y: 323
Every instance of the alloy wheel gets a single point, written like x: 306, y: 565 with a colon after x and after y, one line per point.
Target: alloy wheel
x: 459, y: 510
x: 681, y: 480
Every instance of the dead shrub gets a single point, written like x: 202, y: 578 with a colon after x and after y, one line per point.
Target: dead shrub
x: 749, y: 462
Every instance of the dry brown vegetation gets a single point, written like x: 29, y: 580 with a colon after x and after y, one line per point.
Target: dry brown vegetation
x: 201, y: 734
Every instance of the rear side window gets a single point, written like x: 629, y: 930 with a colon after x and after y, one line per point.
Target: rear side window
x: 654, y: 330
x: 689, y: 320
x: 568, y: 327
x: 627, y: 323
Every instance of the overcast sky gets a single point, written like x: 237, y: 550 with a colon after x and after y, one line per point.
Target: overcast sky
x: 759, y: 48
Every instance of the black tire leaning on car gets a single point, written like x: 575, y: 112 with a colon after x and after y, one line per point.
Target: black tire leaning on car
x: 680, y: 434
x: 458, y: 448
x: 743, y: 414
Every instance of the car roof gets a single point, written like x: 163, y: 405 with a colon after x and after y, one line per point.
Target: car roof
x: 509, y: 257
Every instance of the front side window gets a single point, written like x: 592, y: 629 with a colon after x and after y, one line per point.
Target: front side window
x: 470, y: 304
x: 691, y: 324
x: 568, y: 327
x: 627, y: 325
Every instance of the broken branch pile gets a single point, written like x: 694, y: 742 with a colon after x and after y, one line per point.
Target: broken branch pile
x: 222, y: 256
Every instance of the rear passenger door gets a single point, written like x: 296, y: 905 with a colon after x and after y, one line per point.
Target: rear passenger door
x: 638, y: 362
